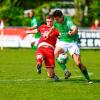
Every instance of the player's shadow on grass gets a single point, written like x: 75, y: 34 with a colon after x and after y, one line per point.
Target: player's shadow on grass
x: 69, y: 81
x: 82, y: 80
x: 96, y: 80
x: 76, y: 81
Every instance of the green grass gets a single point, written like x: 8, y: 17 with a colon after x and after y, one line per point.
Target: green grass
x: 19, y: 80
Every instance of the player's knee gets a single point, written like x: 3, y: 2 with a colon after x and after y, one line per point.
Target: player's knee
x: 39, y: 59
x: 78, y: 62
x: 56, y: 54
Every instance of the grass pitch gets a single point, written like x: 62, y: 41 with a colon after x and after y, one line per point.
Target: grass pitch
x: 19, y: 80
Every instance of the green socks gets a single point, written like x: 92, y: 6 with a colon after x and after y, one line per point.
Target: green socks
x: 62, y: 65
x: 85, y: 73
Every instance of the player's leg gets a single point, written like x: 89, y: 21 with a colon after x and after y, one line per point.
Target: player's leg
x: 59, y: 50
x: 39, y: 59
x: 50, y: 63
x: 75, y: 52
x: 62, y: 60
x: 51, y: 74
x: 83, y: 69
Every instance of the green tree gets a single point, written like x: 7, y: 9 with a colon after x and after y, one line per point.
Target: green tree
x: 94, y: 10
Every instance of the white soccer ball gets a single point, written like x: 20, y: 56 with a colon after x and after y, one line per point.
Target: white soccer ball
x: 62, y: 58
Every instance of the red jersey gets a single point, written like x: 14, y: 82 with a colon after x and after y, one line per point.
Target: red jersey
x: 51, y: 40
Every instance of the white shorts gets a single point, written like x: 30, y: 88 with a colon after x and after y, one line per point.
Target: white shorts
x: 72, y: 47
x: 35, y: 40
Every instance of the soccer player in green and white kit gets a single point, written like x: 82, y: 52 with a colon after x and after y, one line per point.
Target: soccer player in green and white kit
x: 35, y: 23
x: 68, y: 40
x: 62, y: 60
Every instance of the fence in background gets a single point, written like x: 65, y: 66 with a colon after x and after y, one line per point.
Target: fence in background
x: 16, y: 37
x: 89, y: 39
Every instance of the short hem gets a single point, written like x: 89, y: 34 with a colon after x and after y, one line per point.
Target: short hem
x: 50, y: 67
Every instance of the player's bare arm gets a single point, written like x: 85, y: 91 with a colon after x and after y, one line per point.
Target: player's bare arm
x: 32, y: 31
x: 32, y: 27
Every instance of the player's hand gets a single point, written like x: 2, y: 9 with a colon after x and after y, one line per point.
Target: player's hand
x: 71, y: 32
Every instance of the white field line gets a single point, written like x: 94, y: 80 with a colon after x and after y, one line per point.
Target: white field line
x: 42, y: 79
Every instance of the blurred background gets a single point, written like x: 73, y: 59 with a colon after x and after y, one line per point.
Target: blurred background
x: 85, y: 14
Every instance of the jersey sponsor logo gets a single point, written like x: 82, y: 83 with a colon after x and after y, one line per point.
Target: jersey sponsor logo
x: 63, y: 34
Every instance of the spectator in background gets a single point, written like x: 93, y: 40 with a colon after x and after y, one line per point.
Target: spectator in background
x: 1, y: 24
x: 35, y: 23
x: 96, y: 25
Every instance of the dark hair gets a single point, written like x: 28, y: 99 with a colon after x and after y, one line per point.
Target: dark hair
x: 32, y: 11
x: 49, y: 16
x: 57, y: 13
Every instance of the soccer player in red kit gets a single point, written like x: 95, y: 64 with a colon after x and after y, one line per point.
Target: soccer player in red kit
x: 46, y: 45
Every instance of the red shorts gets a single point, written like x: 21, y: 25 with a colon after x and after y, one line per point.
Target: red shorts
x: 48, y: 55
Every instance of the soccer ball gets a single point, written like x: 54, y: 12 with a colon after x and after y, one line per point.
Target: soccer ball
x: 63, y: 58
